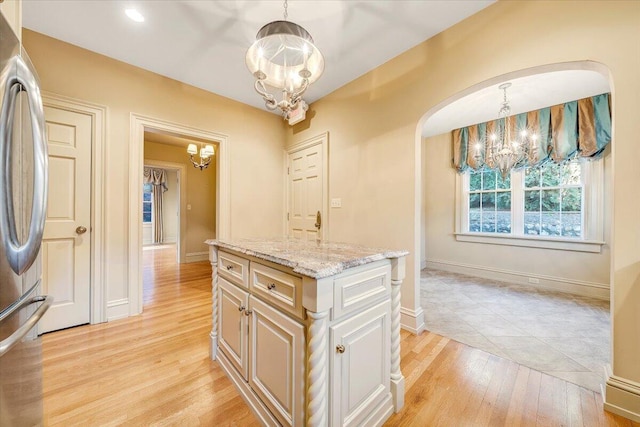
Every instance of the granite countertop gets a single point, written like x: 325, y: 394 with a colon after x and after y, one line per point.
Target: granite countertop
x: 313, y: 259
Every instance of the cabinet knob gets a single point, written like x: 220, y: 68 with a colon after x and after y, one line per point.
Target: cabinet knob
x: 248, y: 312
x: 271, y: 286
x: 241, y: 308
x: 229, y: 267
x: 340, y: 348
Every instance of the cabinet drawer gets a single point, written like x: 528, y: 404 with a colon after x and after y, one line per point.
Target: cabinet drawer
x: 234, y: 268
x: 277, y: 287
x: 361, y: 288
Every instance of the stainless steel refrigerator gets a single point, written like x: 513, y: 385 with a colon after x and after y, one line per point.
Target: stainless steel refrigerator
x: 23, y: 198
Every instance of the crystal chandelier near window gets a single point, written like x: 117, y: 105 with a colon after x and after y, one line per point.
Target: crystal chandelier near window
x: 206, y: 153
x: 507, y: 147
x: 284, y: 57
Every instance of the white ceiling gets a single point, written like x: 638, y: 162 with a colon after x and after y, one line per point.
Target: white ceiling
x: 525, y: 94
x: 203, y: 43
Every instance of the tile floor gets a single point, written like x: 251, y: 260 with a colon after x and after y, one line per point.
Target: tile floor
x: 563, y: 335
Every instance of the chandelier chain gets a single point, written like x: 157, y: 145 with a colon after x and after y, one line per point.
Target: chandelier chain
x: 285, y: 5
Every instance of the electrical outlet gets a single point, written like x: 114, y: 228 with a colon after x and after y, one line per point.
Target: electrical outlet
x: 336, y: 203
x: 534, y: 280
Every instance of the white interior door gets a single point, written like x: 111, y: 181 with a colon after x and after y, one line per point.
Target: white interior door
x: 66, y: 246
x: 306, y: 193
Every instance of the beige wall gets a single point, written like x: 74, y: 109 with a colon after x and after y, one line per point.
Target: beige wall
x: 375, y: 139
x: 201, y: 194
x: 255, y: 140
x: 573, y: 271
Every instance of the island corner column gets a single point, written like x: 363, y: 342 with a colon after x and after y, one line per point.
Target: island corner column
x: 213, y: 335
x: 398, y: 271
x: 317, y: 299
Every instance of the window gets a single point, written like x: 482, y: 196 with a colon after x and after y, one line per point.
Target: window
x: 147, y: 204
x: 552, y: 205
x: 553, y: 200
x: 489, y: 202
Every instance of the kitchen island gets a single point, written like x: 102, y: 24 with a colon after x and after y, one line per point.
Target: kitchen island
x: 309, y: 332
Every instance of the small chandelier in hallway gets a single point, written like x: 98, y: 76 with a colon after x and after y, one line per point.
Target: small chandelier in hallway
x: 206, y: 153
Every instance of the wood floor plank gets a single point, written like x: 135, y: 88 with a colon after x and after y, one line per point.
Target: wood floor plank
x: 574, y: 406
x: 154, y: 370
x: 529, y: 413
x: 518, y: 396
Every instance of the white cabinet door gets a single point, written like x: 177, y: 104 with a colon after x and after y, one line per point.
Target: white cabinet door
x: 360, y: 365
x: 277, y: 365
x: 233, y: 332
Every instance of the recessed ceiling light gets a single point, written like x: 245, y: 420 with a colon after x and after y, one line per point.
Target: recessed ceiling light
x: 134, y: 15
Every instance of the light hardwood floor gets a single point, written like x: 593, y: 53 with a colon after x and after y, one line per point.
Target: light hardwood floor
x: 154, y: 369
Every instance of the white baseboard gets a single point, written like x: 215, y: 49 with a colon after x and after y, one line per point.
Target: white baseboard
x: 117, y: 309
x: 412, y: 320
x: 577, y: 287
x: 197, y: 256
x: 621, y: 396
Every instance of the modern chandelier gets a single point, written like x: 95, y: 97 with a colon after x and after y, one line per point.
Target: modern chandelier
x: 206, y: 153
x: 284, y: 58
x: 507, y: 147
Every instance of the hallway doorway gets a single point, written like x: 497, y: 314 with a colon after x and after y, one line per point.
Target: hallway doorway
x: 218, y: 215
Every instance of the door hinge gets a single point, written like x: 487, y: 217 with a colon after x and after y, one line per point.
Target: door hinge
x: 287, y: 216
x: 288, y: 171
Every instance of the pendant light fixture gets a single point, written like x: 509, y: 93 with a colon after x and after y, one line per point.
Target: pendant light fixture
x: 507, y: 147
x: 284, y: 58
x: 206, y: 153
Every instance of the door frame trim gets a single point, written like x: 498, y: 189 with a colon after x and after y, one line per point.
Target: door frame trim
x: 182, y: 203
x: 323, y: 140
x: 138, y: 124
x: 99, y: 117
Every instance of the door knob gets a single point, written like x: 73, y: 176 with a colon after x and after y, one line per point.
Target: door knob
x: 340, y: 348
x: 81, y: 230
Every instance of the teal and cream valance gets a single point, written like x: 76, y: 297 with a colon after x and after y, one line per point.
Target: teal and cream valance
x: 577, y: 128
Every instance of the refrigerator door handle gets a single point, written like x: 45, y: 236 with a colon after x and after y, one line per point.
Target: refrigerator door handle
x: 18, y: 334
x: 19, y: 303
x: 21, y: 256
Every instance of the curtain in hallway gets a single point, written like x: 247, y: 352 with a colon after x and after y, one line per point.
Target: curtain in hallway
x: 158, y: 179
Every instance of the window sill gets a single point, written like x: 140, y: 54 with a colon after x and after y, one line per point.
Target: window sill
x: 532, y: 242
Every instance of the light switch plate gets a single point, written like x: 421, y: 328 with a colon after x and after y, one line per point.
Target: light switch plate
x: 336, y: 203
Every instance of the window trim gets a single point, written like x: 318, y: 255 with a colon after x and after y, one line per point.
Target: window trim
x: 593, y: 209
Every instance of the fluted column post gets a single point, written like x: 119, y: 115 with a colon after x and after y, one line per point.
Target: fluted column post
x: 213, y: 335
x: 317, y: 367
x: 397, y: 379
